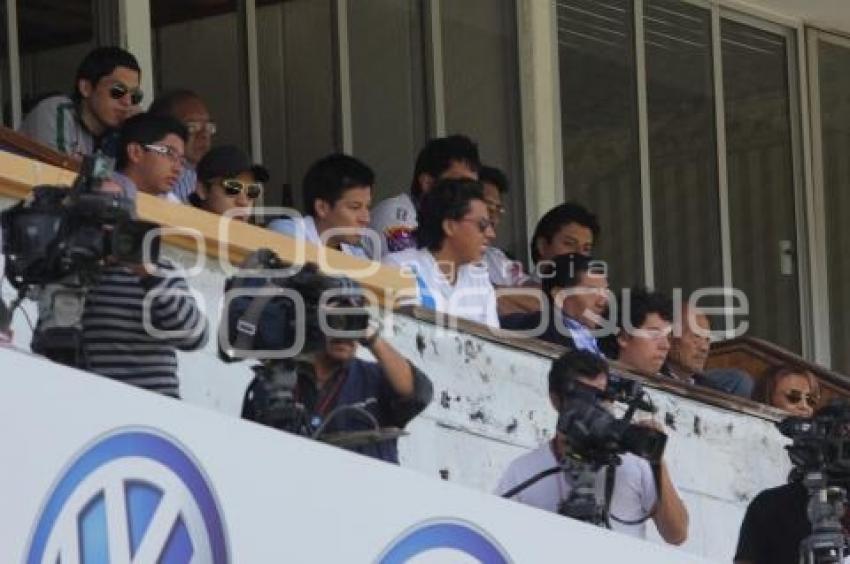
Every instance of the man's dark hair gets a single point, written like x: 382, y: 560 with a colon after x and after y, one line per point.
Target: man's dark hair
x: 558, y: 217
x: 643, y: 302
x: 494, y: 176
x: 166, y: 103
x: 566, y: 271
x: 329, y: 177
x: 144, y: 129
x: 437, y: 155
x: 101, y: 62
x: 448, y: 199
x: 572, y: 365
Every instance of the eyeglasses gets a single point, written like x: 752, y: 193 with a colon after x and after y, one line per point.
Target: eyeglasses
x: 119, y: 90
x: 483, y: 223
x: 195, y: 127
x: 233, y: 187
x: 796, y: 396
x: 166, y: 151
x: 495, y: 208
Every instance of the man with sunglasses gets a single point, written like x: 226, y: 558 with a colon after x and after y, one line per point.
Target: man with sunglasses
x: 188, y: 108
x: 229, y: 183
x: 454, y: 230
x: 337, y: 196
x: 106, y: 93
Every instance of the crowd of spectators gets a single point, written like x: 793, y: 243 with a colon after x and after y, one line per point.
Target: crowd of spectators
x: 441, y: 231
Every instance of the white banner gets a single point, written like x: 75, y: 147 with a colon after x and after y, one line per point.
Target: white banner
x: 96, y: 471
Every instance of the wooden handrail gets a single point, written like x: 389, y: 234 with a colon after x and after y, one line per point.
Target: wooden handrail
x: 222, y: 237
x: 23, y: 145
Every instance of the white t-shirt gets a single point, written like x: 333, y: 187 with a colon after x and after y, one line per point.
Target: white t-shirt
x: 634, y: 488
x: 305, y: 228
x: 471, y: 296
x: 394, y: 220
x: 503, y: 271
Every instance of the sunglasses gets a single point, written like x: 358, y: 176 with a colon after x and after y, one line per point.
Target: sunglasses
x: 195, y: 127
x: 233, y: 187
x: 168, y: 152
x: 483, y: 224
x: 796, y: 396
x: 118, y: 90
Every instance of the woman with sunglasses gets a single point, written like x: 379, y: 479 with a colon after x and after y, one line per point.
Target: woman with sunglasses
x: 795, y: 390
x: 228, y: 183
x: 454, y: 230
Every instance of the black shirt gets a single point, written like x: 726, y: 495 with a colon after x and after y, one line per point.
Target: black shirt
x: 774, y: 525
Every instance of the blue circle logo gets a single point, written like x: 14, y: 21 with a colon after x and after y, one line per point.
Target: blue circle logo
x: 132, y: 496
x: 451, y: 534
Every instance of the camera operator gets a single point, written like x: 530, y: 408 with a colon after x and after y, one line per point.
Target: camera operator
x: 391, y: 389
x: 634, y: 494
x: 137, y: 316
x: 776, y: 521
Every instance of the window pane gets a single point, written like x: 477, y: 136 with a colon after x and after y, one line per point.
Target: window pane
x: 53, y: 38
x: 186, y: 39
x: 682, y: 143
x: 388, y: 105
x: 297, y: 73
x: 834, y: 73
x: 600, y: 126
x: 482, y: 95
x: 761, y: 179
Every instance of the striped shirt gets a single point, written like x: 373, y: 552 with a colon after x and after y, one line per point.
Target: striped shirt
x: 185, y: 185
x: 132, y: 327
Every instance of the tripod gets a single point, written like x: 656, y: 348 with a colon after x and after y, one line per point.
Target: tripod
x: 827, y: 543
x: 585, y: 502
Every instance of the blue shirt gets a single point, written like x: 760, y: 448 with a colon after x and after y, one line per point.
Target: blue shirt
x: 362, y: 382
x: 185, y: 185
x: 582, y: 338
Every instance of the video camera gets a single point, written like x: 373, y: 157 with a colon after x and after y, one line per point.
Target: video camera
x: 820, y: 453
x: 596, y: 436
x: 280, y: 318
x: 56, y: 243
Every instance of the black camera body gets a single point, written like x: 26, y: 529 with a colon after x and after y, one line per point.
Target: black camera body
x: 594, y: 435
x: 56, y: 244
x: 265, y: 311
x: 821, y: 443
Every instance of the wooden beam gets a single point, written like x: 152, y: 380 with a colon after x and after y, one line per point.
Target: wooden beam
x: 223, y: 237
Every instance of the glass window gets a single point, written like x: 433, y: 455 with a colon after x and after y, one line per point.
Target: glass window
x: 388, y: 107
x: 53, y: 37
x: 481, y: 86
x: 600, y: 126
x: 298, y: 103
x: 761, y: 178
x: 682, y: 146
x: 834, y: 85
x: 197, y: 46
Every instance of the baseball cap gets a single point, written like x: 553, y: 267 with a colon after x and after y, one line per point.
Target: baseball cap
x: 227, y: 161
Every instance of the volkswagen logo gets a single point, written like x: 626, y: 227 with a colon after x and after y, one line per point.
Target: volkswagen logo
x: 443, y: 540
x: 134, y: 495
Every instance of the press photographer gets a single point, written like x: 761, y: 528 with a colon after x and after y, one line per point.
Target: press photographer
x: 805, y: 520
x: 573, y: 467
x: 319, y: 388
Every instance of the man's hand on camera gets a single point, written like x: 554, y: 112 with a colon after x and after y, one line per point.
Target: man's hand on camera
x: 373, y: 333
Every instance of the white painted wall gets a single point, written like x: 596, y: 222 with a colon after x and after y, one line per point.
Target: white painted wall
x: 491, y: 405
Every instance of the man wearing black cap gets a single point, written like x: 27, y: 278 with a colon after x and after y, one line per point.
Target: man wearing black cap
x: 576, y: 290
x: 228, y: 182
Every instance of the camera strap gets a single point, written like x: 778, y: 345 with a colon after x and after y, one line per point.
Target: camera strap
x: 656, y: 478
x: 248, y: 322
